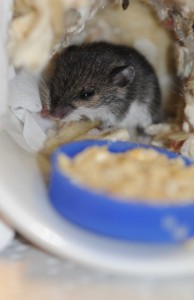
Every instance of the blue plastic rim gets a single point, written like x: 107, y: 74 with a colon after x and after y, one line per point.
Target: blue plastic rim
x: 106, y: 215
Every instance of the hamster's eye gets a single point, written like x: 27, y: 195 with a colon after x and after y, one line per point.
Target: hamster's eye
x: 85, y: 95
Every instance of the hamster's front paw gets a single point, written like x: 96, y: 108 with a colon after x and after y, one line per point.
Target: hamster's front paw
x: 138, y: 135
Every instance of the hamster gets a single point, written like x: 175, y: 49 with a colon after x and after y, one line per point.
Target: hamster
x: 102, y: 81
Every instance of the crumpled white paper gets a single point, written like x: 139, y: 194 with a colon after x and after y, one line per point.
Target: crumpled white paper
x: 22, y: 120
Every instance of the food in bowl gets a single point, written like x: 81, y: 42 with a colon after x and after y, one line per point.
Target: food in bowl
x: 141, y: 174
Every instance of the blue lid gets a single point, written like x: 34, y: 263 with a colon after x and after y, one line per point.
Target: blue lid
x: 132, y: 220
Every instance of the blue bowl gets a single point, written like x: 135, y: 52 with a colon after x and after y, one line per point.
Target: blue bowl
x: 112, y: 217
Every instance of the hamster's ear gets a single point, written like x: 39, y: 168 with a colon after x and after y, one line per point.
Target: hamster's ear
x: 122, y: 75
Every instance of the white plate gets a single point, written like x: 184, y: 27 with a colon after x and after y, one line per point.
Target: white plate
x: 23, y: 200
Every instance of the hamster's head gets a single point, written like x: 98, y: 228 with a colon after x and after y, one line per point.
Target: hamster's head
x: 87, y: 80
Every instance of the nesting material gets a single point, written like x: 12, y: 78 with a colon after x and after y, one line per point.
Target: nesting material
x: 178, y: 16
x: 41, y: 28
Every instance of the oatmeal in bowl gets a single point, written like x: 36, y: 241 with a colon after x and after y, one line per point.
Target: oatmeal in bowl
x: 124, y: 190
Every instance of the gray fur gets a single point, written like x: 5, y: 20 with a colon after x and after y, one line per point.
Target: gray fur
x: 118, y: 76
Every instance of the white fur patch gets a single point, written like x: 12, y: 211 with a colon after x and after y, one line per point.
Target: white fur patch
x: 137, y: 115
x: 102, y: 114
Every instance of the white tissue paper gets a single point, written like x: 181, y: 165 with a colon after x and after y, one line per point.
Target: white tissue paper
x: 22, y: 120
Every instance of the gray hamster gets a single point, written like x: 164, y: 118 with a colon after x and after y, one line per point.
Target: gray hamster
x: 102, y: 81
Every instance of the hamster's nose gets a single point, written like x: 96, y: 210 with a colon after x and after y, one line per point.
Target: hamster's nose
x: 60, y: 112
